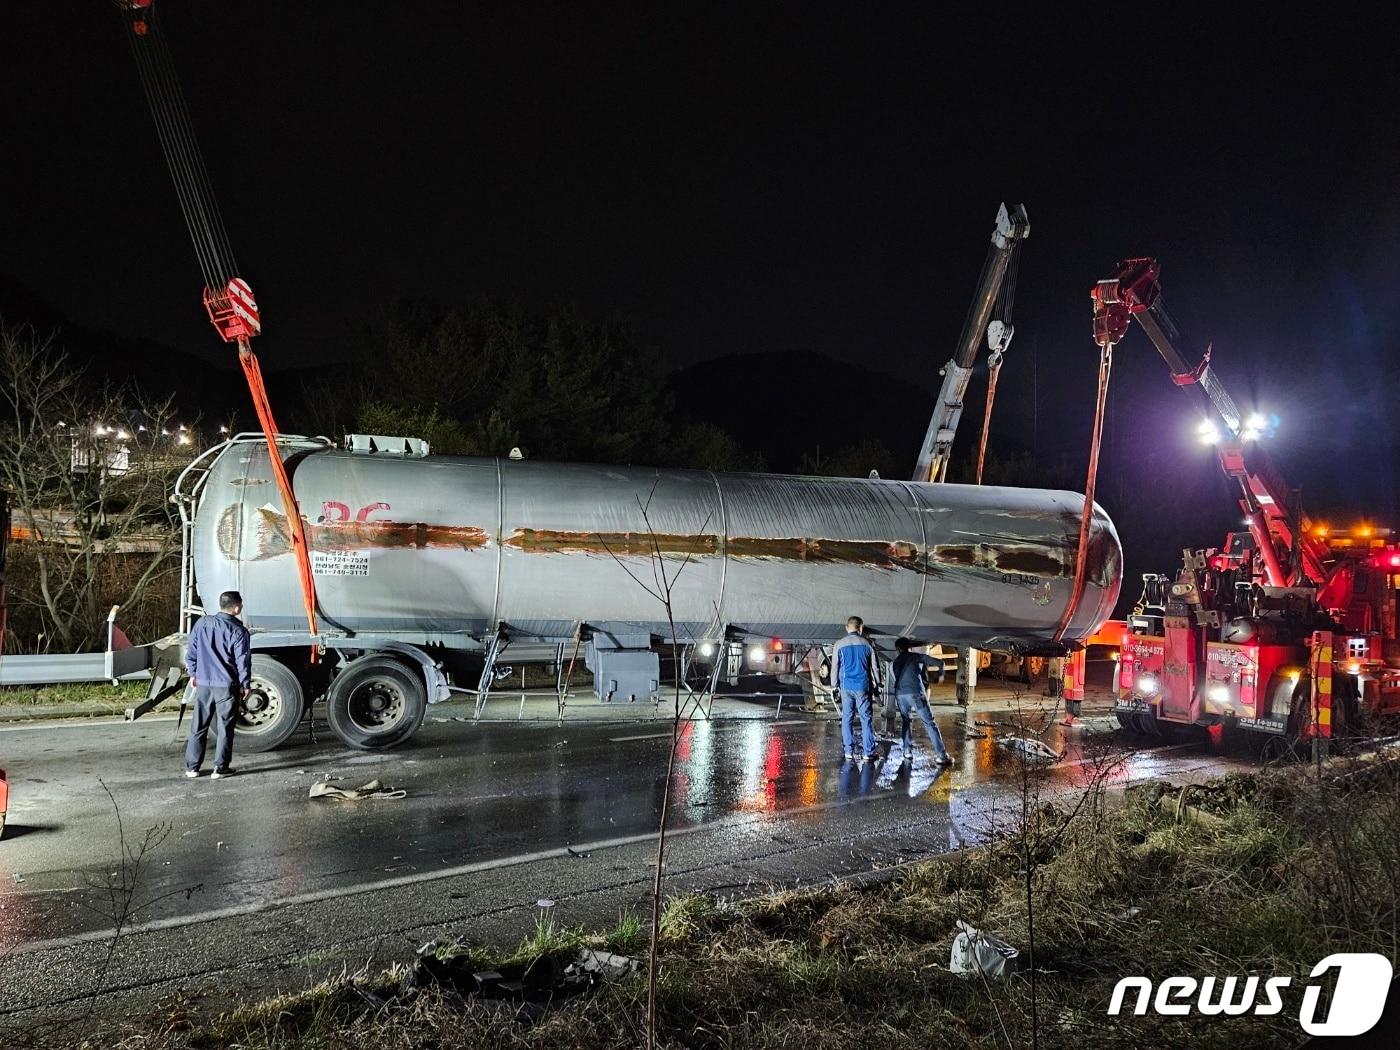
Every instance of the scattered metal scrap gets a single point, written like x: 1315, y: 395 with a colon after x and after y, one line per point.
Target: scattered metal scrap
x: 522, y: 991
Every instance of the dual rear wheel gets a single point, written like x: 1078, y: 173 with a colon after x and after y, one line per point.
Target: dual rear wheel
x: 1147, y: 724
x: 374, y: 702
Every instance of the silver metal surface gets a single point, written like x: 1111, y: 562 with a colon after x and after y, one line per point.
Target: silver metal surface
x: 1012, y: 228
x: 58, y: 668
x: 453, y: 545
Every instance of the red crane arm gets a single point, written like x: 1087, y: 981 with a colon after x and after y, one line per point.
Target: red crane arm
x: 1279, y: 528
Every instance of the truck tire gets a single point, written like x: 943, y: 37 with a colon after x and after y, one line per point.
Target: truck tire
x: 376, y: 702
x: 271, y: 709
x: 1140, y: 723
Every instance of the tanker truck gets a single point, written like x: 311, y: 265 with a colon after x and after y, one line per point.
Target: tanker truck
x: 426, y: 565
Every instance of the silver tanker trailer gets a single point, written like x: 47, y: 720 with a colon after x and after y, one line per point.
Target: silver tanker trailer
x: 423, y: 564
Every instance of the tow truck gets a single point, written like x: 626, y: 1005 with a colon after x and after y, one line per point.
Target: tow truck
x: 1289, y: 627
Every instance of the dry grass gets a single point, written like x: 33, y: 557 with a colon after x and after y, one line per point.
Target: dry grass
x: 116, y: 696
x: 1297, y: 866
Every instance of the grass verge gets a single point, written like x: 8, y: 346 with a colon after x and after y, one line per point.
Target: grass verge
x: 118, y: 695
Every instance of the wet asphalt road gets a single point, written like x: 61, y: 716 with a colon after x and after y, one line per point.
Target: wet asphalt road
x: 251, y: 874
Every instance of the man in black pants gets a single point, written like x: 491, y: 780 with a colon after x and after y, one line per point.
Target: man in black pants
x: 220, y: 664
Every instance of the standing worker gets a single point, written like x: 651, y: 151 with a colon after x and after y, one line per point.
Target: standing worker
x: 911, y: 694
x: 854, y: 674
x: 219, y: 660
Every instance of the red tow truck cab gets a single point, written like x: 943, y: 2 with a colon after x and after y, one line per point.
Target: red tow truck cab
x: 1216, y: 647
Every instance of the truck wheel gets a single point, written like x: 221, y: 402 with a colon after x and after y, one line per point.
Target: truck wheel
x: 272, y: 707
x: 376, y: 702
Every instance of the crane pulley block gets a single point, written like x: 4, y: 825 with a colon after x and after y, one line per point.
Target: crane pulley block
x: 233, y: 311
x: 1132, y: 290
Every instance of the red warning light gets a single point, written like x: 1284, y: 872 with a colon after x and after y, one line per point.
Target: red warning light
x: 1395, y: 561
x: 778, y: 642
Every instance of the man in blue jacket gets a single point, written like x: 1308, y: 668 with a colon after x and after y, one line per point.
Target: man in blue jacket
x: 219, y: 660
x: 854, y: 676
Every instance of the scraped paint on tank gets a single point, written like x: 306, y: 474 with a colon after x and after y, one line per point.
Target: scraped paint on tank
x: 880, y: 554
x: 1028, y: 559
x: 620, y: 544
x: 272, y: 538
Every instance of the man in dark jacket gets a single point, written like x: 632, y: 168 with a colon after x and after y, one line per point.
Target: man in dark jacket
x: 219, y: 660
x: 855, y: 675
x: 911, y: 694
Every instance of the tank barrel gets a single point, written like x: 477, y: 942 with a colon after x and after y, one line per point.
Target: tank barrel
x: 460, y: 545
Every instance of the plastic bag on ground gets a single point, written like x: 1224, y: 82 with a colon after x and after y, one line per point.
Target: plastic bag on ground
x: 978, y: 952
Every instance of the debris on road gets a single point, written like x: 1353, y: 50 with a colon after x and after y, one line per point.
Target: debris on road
x: 373, y: 789
x: 1036, y: 749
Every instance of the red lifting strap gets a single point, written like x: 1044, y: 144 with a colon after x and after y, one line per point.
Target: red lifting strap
x: 1086, y: 520
x: 253, y: 372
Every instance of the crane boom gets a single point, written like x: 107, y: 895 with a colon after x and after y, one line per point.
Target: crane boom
x: 1012, y: 228
x: 1279, y: 528
x: 228, y: 298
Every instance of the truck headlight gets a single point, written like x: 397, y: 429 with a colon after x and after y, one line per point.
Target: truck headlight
x: 1218, y: 693
x: 1147, y: 684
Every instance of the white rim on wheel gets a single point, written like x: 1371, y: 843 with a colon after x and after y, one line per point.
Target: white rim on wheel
x: 376, y: 705
x: 260, y: 707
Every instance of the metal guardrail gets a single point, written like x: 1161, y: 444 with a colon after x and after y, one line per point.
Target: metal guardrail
x: 59, y: 668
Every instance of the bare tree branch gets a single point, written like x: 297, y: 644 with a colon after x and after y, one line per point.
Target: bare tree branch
x: 89, y: 472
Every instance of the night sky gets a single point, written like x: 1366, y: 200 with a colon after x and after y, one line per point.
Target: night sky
x: 754, y: 178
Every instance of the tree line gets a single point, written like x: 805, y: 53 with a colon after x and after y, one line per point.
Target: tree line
x: 92, y: 510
